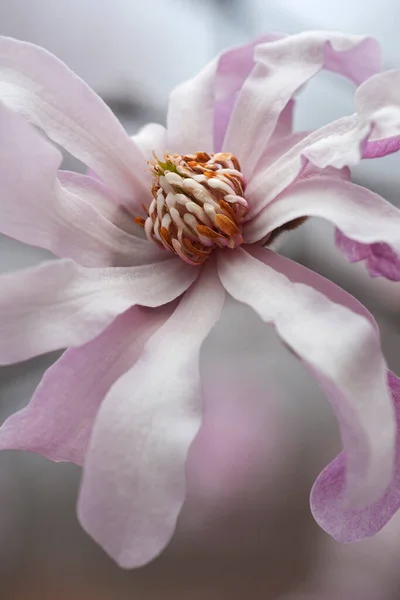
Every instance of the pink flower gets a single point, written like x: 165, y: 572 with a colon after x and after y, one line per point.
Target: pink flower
x: 124, y: 400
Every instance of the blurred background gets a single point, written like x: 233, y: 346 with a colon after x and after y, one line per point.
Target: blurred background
x: 246, y: 528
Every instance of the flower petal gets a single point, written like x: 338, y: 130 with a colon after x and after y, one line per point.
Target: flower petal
x: 190, y: 120
x: 134, y: 475
x: 336, y: 145
x: 93, y: 229
x: 58, y: 421
x: 200, y: 108
x: 380, y: 259
x: 73, y: 216
x: 327, y: 496
x: 378, y: 100
x: 36, y: 84
x: 339, y: 347
x: 234, y: 66
x: 151, y: 138
x: 282, y: 68
x: 363, y: 215
x: 378, y: 148
x: 61, y: 304
x: 376, y: 130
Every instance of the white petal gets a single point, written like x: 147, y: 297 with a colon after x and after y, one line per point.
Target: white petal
x: 362, y: 215
x: 36, y: 84
x: 282, y: 68
x: 61, y: 304
x: 341, y: 350
x: 134, y: 476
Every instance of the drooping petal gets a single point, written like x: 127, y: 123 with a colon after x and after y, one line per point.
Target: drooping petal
x: 380, y: 259
x: 282, y: 68
x: 61, y: 304
x: 339, y: 347
x: 328, y: 497
x: 328, y: 494
x: 36, y: 84
x: 361, y: 214
x: 134, y: 474
x: 58, y: 421
x: 69, y: 214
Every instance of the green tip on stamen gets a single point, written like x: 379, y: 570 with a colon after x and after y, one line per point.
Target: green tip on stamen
x: 167, y: 166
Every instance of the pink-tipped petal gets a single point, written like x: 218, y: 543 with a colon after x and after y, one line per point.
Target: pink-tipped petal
x: 282, y: 68
x: 134, y: 475
x: 378, y: 148
x: 361, y: 214
x: 328, y: 494
x: 380, y: 259
x: 61, y: 304
x: 58, y: 421
x: 71, y: 215
x: 36, y: 84
x: 341, y: 350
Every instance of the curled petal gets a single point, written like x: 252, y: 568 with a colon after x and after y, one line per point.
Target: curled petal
x: 58, y: 421
x: 339, y: 347
x: 380, y: 259
x: 282, y: 68
x: 378, y: 101
x: 328, y: 494
x: 36, y: 84
x: 341, y: 143
x: 61, y: 304
x: 134, y: 476
x: 328, y: 497
x: 272, y: 179
x: 363, y: 215
x: 376, y: 131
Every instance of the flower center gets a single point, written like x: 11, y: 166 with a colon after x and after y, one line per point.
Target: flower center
x: 198, y: 204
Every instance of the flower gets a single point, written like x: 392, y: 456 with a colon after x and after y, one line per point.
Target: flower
x: 168, y: 222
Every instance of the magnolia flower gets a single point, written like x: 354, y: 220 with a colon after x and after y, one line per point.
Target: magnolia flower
x: 151, y: 241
